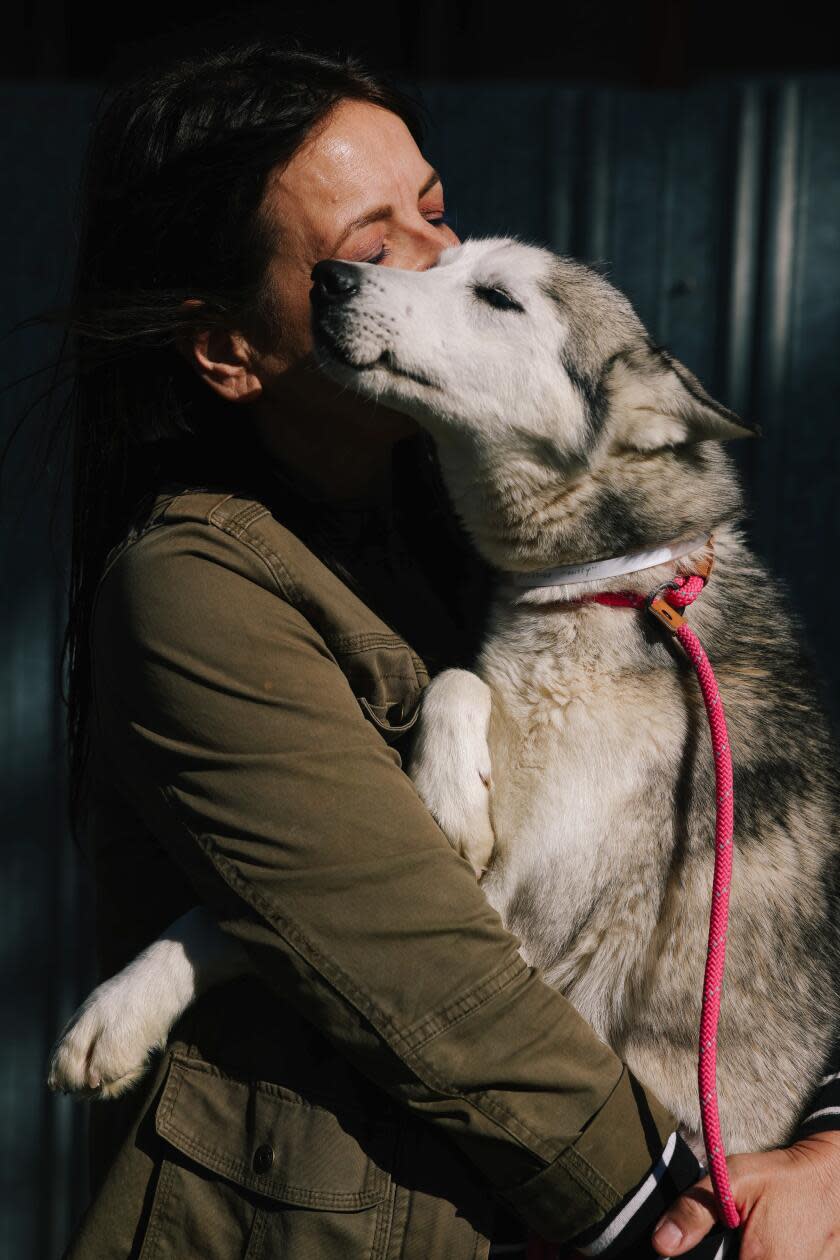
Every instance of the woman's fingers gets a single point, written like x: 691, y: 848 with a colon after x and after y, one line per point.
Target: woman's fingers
x: 788, y: 1199
x: 687, y: 1221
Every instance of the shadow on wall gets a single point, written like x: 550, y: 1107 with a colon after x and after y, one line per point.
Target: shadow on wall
x: 714, y: 209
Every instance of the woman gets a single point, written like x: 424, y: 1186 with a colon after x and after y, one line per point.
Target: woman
x: 249, y: 638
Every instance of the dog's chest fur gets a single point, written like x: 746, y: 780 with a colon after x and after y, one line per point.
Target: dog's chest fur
x: 603, y: 809
x: 585, y: 735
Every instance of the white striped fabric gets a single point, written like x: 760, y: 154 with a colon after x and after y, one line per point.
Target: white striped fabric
x: 617, y: 1224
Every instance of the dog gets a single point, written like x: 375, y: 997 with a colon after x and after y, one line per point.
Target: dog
x: 572, y: 767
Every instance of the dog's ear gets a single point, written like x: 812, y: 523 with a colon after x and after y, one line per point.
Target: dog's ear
x: 656, y: 401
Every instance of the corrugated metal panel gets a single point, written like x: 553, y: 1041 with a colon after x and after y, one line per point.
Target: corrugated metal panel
x: 45, y: 906
x: 715, y: 209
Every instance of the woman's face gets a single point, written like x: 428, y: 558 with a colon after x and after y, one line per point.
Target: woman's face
x: 359, y: 189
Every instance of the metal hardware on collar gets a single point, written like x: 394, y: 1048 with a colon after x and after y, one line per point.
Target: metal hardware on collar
x: 656, y: 603
x: 614, y: 566
x: 663, y: 612
x: 704, y: 567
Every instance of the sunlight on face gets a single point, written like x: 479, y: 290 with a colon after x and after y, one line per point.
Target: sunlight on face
x: 358, y: 189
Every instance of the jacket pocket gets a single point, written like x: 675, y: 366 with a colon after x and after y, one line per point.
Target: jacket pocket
x: 387, y: 678
x: 386, y: 721
x: 252, y: 1169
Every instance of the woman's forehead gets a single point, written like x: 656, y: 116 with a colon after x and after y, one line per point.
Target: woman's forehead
x: 360, y: 158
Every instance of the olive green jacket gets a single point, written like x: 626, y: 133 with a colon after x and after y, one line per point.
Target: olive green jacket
x: 394, y: 1072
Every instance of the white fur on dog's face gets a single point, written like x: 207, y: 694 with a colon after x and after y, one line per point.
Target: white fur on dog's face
x: 444, y: 346
x: 534, y: 376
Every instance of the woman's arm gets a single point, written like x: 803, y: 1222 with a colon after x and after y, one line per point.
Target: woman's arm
x: 229, y: 726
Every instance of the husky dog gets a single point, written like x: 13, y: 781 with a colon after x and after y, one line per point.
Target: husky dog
x: 573, y: 767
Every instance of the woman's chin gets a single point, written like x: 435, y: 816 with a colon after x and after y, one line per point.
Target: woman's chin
x: 378, y: 418
x: 370, y: 395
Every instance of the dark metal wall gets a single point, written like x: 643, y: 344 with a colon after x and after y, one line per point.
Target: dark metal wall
x: 717, y: 211
x: 714, y: 208
x: 44, y: 912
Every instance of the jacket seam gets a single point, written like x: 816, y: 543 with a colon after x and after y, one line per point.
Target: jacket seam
x: 450, y: 1016
x: 348, y: 990
x: 397, y: 677
x: 288, y: 585
x: 272, y: 1089
x: 589, y: 1178
x: 241, y: 519
x: 239, y: 1169
x: 283, y: 579
x: 168, y: 1104
x: 161, y: 521
x: 160, y: 1197
x: 128, y: 544
x: 351, y: 644
x: 234, y: 528
x: 271, y: 560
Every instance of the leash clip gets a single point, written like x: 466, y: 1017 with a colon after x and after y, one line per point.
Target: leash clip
x: 663, y: 611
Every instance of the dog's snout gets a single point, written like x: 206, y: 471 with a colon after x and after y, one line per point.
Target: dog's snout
x: 334, y: 281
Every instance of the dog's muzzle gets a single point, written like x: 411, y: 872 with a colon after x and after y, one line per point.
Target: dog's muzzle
x: 333, y: 282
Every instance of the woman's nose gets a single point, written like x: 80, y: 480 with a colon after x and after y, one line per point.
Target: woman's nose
x: 333, y: 281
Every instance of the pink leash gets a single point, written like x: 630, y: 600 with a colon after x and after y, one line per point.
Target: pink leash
x: 664, y: 603
x: 683, y: 591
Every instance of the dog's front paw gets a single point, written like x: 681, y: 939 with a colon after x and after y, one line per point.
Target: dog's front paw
x: 101, y: 1052
x: 105, y: 1047
x: 469, y: 829
x: 450, y: 764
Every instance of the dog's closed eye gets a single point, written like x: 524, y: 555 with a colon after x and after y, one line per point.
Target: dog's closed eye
x: 497, y: 297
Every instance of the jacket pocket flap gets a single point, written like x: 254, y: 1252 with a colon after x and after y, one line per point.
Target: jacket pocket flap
x: 380, y: 717
x: 273, y: 1141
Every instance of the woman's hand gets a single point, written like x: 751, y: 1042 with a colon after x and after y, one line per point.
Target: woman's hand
x: 789, y: 1202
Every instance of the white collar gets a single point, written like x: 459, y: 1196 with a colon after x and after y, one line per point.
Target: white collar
x: 565, y: 574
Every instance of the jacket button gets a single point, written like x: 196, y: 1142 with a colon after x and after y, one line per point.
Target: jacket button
x: 263, y: 1158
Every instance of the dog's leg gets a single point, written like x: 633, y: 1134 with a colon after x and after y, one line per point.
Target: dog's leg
x: 104, y: 1048
x: 450, y: 762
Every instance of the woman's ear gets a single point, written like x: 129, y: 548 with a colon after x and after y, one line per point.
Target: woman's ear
x: 655, y: 401
x: 223, y: 358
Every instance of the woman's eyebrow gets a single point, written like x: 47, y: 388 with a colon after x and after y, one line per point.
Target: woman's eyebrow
x: 381, y: 212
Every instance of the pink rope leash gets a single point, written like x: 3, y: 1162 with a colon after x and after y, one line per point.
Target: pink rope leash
x: 683, y: 591
x: 679, y: 593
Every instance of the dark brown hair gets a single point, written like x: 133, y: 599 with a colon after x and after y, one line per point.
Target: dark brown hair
x: 174, y: 178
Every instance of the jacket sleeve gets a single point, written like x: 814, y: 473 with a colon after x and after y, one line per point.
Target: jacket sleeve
x: 229, y: 726
x: 823, y: 1109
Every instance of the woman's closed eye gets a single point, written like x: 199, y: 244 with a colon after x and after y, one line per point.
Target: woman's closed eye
x: 378, y: 258
x: 437, y: 221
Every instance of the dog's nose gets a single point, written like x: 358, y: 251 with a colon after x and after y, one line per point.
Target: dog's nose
x: 334, y: 281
